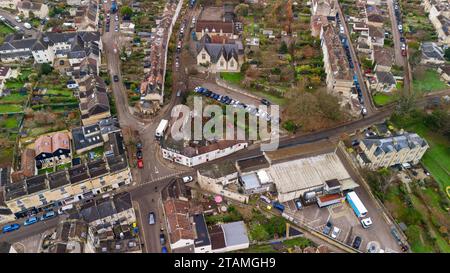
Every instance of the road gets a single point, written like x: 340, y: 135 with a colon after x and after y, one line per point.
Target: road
x: 366, y: 93
x: 399, y: 59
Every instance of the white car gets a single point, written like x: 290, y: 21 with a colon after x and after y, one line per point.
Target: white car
x: 366, y: 222
x: 187, y: 179
x: 18, y: 19
x: 72, y: 85
x: 335, y: 232
x: 116, y: 18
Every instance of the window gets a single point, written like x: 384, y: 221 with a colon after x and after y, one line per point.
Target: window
x: 221, y: 63
x: 203, y: 56
x: 232, y: 63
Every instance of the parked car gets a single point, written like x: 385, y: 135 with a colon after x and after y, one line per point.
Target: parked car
x: 178, y: 93
x: 162, y: 239
x: 363, y: 111
x: 140, y: 163
x: 30, y: 221
x: 327, y: 228
x: 265, y: 102
x: 72, y: 85
x: 187, y: 179
x: 335, y: 232
x: 116, y: 78
x: 298, y: 204
x: 139, y: 154
x: 9, y: 228
x: 164, y: 249
x: 265, y: 199
x: 357, y: 242
x: 366, y: 222
x: 48, y: 215
x: 151, y: 218
x: 139, y: 146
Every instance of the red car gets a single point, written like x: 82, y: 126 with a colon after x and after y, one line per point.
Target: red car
x: 140, y: 163
x: 404, y: 52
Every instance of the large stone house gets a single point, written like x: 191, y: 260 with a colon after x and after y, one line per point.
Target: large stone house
x: 384, y: 152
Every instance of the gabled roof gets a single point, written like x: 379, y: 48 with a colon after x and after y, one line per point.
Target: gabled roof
x: 214, y: 26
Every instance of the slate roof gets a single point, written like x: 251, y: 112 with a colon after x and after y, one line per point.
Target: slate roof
x: 385, y: 77
x: 397, y: 143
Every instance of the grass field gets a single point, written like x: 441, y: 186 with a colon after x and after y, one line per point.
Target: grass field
x: 10, y: 108
x: 382, y: 99
x: 232, y: 77
x: 428, y: 82
x: 14, y: 98
x: 9, y: 123
x: 4, y: 29
x: 269, y: 248
x: 437, y: 157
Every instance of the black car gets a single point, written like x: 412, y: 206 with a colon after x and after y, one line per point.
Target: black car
x: 116, y: 78
x: 327, y: 228
x: 139, y: 154
x: 207, y: 93
x: 402, y: 39
x: 357, y: 242
x: 265, y: 102
x: 162, y: 239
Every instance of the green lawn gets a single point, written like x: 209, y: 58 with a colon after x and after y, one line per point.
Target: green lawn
x: 10, y: 108
x: 382, y: 99
x: 268, y: 248
x: 437, y: 157
x: 5, y: 30
x: 428, y: 82
x: 14, y: 98
x: 232, y: 77
x: 9, y: 123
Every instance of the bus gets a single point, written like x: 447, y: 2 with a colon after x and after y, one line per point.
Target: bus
x: 159, y: 133
x: 356, y: 204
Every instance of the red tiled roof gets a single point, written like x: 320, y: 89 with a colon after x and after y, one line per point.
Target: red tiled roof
x: 214, y: 26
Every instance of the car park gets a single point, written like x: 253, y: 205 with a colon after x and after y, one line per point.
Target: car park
x: 30, y: 221
x: 335, y: 232
x: 357, y: 242
x: 48, y: 215
x: 327, y: 228
x: 151, y: 218
x: 9, y: 228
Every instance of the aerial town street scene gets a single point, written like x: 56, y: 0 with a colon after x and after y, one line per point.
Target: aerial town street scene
x: 225, y: 126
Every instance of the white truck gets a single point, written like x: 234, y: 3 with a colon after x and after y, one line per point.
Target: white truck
x: 27, y: 25
x: 159, y: 133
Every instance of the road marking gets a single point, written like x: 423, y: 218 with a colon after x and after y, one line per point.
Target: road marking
x: 156, y: 170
